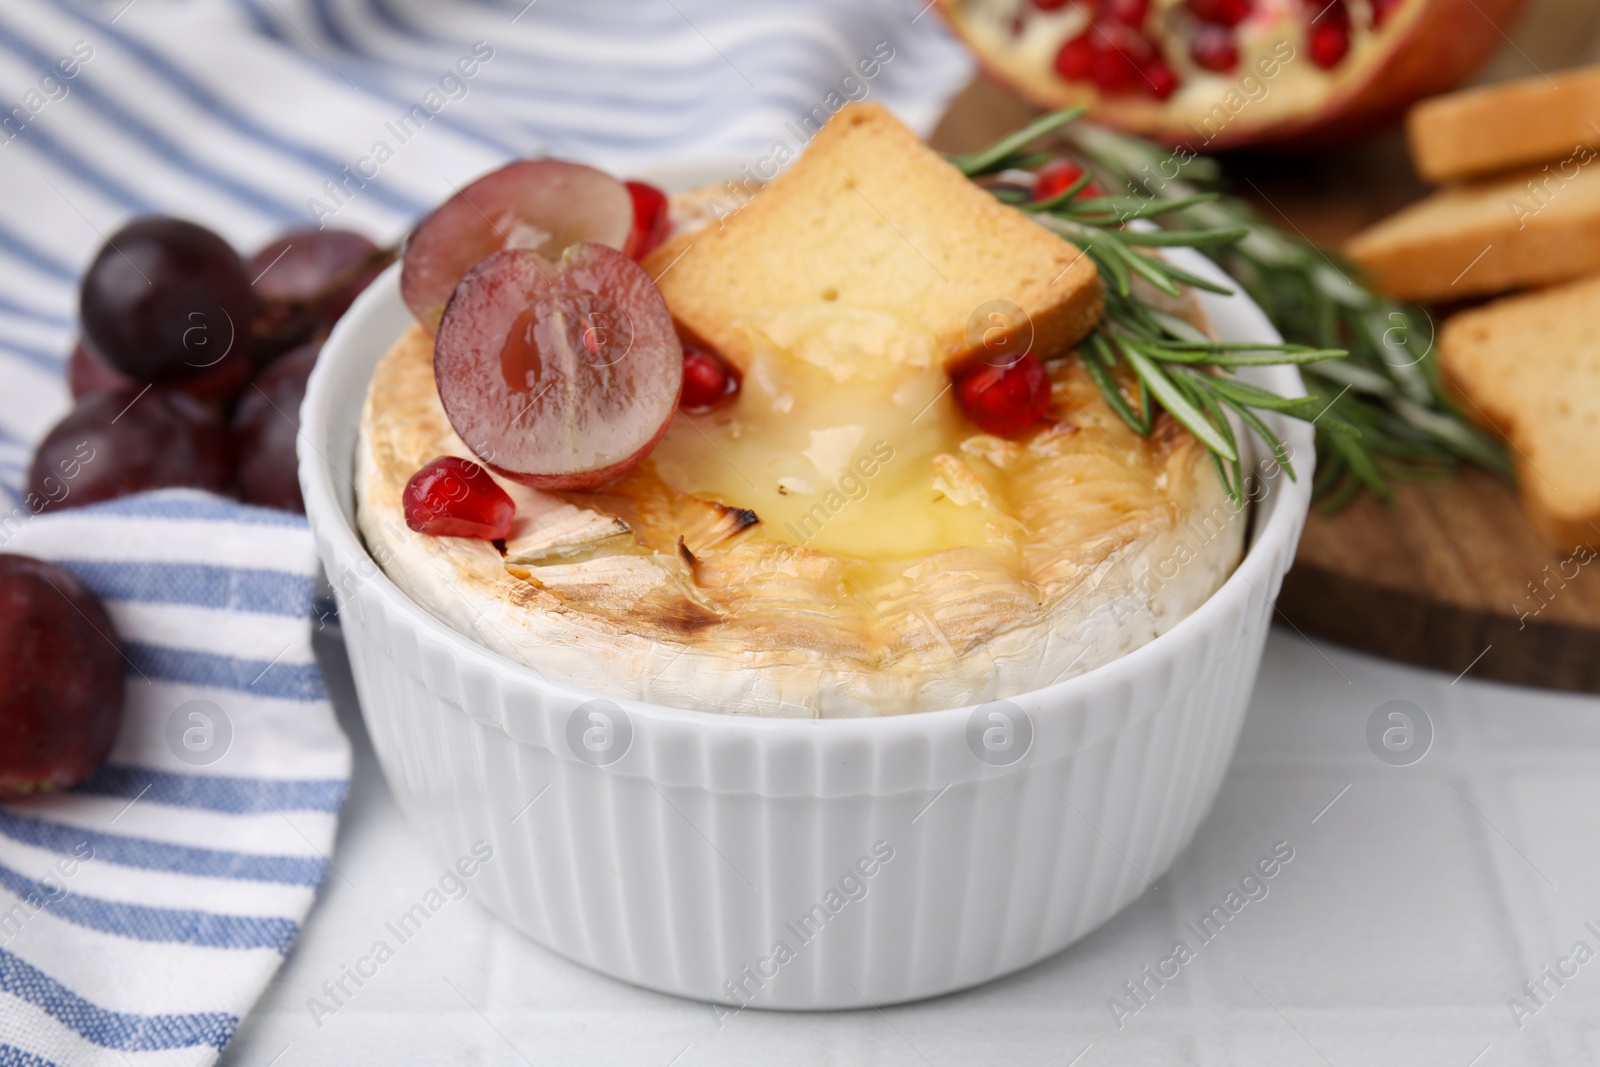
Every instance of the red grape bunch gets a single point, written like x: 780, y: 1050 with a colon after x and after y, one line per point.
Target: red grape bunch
x: 193, y: 363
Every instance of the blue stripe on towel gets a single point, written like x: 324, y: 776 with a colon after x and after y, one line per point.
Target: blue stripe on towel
x: 177, y: 504
x: 141, y: 922
x: 143, y: 853
x: 52, y: 363
x: 23, y: 311
x: 154, y: 139
x: 12, y: 1056
x: 40, y: 260
x: 125, y: 1031
x: 322, y: 64
x: 215, y: 105
x: 198, y: 585
x: 234, y: 796
x: 287, y: 681
x: 69, y: 160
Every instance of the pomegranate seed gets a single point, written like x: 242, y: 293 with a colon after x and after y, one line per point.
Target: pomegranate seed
x: 1006, y: 400
x: 707, y: 381
x: 1213, y: 48
x: 1128, y: 12
x: 650, y: 222
x: 1329, y: 38
x: 1115, y: 70
x: 1056, y: 176
x: 454, y: 497
x: 1381, y: 10
x: 1160, y: 79
x: 1226, y: 12
x: 1138, y: 47
x: 1075, y: 61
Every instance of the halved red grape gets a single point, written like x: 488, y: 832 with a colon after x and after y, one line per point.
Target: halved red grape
x: 541, y: 205
x: 305, y: 280
x: 651, y: 221
x: 166, y: 300
x: 265, y: 427
x: 61, y: 678
x: 559, y: 375
x: 127, y: 441
x: 454, y: 497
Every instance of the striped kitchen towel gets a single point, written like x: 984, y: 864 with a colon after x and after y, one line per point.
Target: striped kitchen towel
x: 144, y: 911
x: 142, y: 914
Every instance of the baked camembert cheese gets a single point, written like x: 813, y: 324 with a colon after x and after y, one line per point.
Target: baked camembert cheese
x: 839, y: 539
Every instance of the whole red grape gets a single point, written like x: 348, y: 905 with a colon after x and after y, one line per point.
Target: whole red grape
x: 61, y: 678
x: 305, y: 280
x: 265, y: 427
x: 128, y: 441
x: 166, y: 300
x: 88, y: 372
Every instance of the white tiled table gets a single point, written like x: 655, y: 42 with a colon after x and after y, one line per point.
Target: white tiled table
x: 1414, y: 907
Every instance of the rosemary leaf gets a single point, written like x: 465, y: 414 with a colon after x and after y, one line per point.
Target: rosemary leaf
x: 1183, y: 238
x: 979, y: 163
x: 1178, y: 405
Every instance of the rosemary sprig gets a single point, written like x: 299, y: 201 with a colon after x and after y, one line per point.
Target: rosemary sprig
x: 1140, y: 355
x: 1389, y: 387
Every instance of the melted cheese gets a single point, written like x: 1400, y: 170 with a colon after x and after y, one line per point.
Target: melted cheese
x: 967, y: 567
x: 834, y: 439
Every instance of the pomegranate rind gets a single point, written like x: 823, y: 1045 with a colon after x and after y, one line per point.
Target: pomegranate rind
x: 583, y: 419
x: 1427, y: 51
x: 541, y: 205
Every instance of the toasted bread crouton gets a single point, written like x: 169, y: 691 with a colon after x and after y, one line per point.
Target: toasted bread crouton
x: 1501, y: 127
x: 1536, y: 227
x: 870, y: 217
x: 1529, y: 366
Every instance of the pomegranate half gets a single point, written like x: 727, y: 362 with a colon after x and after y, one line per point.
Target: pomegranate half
x: 1214, y: 74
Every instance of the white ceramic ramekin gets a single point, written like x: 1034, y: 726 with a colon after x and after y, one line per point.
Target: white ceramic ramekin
x: 794, y: 863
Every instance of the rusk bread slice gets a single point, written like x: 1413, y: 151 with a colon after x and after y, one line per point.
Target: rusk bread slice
x: 1530, y: 366
x: 1532, y: 228
x: 1512, y: 124
x: 870, y: 217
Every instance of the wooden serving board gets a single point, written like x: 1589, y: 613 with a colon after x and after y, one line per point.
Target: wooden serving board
x: 1451, y: 576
